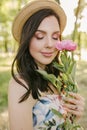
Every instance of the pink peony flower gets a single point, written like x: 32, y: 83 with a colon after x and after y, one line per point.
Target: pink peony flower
x: 68, y: 45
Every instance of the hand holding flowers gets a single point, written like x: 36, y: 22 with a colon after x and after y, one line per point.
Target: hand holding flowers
x: 65, y: 83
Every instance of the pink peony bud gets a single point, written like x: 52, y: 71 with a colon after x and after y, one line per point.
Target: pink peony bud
x: 66, y: 45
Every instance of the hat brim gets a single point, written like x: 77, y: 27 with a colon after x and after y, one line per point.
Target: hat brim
x: 32, y: 7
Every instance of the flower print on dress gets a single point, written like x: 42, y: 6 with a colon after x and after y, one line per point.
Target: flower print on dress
x: 43, y: 117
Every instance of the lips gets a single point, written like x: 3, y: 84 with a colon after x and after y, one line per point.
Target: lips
x: 47, y: 54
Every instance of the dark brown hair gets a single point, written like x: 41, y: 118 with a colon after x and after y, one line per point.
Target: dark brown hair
x: 25, y: 65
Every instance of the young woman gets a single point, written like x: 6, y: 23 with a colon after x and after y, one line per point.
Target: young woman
x: 37, y: 28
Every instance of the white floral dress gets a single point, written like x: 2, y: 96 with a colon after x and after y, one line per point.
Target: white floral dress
x: 43, y: 117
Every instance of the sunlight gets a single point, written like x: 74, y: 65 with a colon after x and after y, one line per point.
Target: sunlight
x: 69, y: 10
x: 83, y: 27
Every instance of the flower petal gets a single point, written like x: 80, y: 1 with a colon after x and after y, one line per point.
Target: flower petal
x: 68, y: 45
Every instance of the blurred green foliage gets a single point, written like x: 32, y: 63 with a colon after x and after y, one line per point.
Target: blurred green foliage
x: 5, y: 75
x: 4, y: 79
x: 9, y: 9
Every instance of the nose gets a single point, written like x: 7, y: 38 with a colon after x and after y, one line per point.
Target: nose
x: 49, y: 42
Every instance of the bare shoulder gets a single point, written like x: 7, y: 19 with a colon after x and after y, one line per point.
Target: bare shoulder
x: 20, y: 114
x: 16, y: 90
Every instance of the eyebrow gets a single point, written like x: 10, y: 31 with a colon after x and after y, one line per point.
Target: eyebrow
x: 45, y: 32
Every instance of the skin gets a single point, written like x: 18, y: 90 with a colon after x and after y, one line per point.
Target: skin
x: 42, y: 49
x: 75, y: 105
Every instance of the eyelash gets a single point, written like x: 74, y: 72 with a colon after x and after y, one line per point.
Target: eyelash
x: 39, y: 38
x: 55, y: 38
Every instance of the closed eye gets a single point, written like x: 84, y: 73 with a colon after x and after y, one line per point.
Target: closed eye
x: 55, y: 38
x: 39, y: 38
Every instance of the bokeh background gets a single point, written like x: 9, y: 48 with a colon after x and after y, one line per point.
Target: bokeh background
x: 76, y: 30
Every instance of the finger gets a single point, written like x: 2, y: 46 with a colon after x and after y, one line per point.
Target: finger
x: 76, y: 113
x: 74, y: 104
x: 74, y: 101
x: 74, y: 107
x: 71, y: 100
x: 70, y: 106
x: 77, y: 96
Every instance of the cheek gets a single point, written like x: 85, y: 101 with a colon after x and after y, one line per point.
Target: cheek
x: 36, y: 44
x: 34, y: 47
x: 57, y: 54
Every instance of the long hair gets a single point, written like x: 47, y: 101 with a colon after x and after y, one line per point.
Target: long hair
x: 25, y: 64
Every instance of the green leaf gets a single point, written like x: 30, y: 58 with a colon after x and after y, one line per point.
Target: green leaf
x: 59, y: 67
x: 70, y: 68
x: 73, y: 73
x: 63, y: 59
x: 57, y: 113
x: 51, y: 78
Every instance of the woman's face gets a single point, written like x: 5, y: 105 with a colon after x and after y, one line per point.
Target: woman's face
x: 42, y: 45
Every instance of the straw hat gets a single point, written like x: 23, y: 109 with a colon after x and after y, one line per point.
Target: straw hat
x: 32, y: 7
